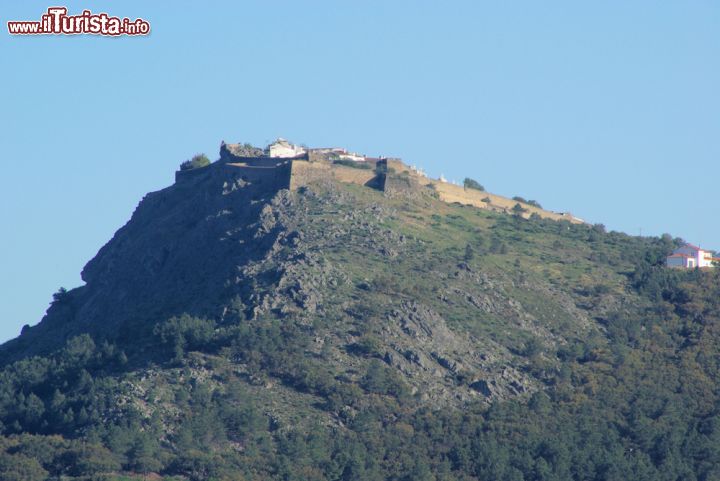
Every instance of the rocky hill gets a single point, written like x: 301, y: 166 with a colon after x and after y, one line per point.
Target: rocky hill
x: 334, y: 331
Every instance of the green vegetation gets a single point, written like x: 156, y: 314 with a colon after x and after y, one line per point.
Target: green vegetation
x: 60, y: 296
x: 469, y: 183
x: 618, y: 356
x: 469, y: 253
x: 518, y: 209
x: 352, y: 163
x: 533, y: 203
x: 198, y: 161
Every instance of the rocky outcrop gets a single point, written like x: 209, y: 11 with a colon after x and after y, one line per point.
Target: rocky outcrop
x: 230, y: 151
x: 236, y: 249
x: 180, y: 252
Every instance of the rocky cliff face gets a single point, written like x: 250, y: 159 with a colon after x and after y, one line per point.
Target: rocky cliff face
x: 236, y: 330
x: 366, y: 275
x: 179, y: 252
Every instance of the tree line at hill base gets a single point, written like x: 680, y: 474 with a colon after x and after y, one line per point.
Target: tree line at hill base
x: 643, y: 406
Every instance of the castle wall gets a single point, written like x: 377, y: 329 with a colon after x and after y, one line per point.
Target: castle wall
x: 271, y: 178
x: 274, y: 174
x: 185, y: 175
x: 353, y: 176
x: 262, y: 161
x: 401, y: 185
x: 455, y: 193
x: 303, y: 173
x: 255, y: 161
x: 318, y: 156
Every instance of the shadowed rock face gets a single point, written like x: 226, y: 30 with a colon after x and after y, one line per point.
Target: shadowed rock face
x: 239, y: 150
x: 180, y: 252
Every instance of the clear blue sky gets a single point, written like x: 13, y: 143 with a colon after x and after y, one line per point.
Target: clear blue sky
x: 608, y: 109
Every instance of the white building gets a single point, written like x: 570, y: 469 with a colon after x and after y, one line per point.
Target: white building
x: 690, y: 256
x: 284, y: 149
x: 352, y: 156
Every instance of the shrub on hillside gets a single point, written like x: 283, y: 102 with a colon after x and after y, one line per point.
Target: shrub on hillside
x: 20, y: 468
x: 380, y: 379
x: 353, y: 163
x: 533, y: 347
x: 198, y: 161
x: 518, y: 209
x: 531, y: 202
x: 185, y: 333
x: 61, y: 296
x: 469, y: 183
x: 497, y: 246
x: 367, y: 345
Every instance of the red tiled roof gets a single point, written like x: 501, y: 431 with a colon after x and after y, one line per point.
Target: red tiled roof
x: 694, y: 247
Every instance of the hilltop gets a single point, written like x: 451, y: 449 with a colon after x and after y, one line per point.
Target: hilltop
x: 303, y: 318
x: 283, y: 165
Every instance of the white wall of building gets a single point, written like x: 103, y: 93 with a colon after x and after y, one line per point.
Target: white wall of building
x: 676, y: 261
x: 704, y: 259
x: 352, y: 156
x: 284, y: 149
x: 689, y: 257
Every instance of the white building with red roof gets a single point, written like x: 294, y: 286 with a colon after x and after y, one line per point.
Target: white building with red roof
x: 690, y: 256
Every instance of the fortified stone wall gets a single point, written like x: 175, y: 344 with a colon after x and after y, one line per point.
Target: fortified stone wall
x: 401, y: 185
x: 303, y: 173
x: 272, y: 178
x: 265, y: 177
x: 314, y: 156
x: 275, y: 174
x: 187, y: 175
x: 455, y: 193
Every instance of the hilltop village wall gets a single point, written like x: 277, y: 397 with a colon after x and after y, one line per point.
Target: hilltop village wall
x: 303, y: 173
x: 456, y: 193
x: 239, y: 164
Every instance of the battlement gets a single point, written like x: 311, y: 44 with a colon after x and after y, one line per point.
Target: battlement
x: 455, y: 193
x: 241, y: 164
x: 254, y: 167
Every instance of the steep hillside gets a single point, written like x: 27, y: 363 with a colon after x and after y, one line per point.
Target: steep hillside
x: 229, y: 331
